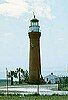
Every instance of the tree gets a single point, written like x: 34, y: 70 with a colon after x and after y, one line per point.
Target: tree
x: 19, y: 72
x: 15, y: 74
x: 10, y: 75
x: 26, y: 77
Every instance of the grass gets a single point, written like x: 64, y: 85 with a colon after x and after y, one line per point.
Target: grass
x: 34, y: 98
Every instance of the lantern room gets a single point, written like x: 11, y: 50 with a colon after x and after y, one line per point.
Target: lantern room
x: 34, y: 25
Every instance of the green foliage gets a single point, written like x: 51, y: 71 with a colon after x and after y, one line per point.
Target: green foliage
x: 20, y: 74
x: 63, y: 83
x: 33, y: 97
x: 15, y: 74
x: 26, y: 77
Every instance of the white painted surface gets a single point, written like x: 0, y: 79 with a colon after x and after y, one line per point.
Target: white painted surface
x: 30, y: 89
x: 34, y: 29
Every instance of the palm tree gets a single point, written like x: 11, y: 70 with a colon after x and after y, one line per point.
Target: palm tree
x: 10, y: 75
x: 26, y: 77
x: 15, y: 74
x: 19, y: 71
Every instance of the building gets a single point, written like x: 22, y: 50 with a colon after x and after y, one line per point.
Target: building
x: 34, y: 56
x: 51, y: 79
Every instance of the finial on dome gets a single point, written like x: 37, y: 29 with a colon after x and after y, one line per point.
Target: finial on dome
x: 33, y: 14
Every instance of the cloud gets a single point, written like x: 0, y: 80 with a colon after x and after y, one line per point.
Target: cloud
x: 41, y: 8
x: 13, y: 8
x: 44, y: 10
x: 16, y: 8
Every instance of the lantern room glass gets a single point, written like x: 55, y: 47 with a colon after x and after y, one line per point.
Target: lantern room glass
x: 34, y: 23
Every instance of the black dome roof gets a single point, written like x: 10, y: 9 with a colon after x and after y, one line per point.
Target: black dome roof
x: 34, y: 19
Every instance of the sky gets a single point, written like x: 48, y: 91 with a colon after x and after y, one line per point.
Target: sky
x: 15, y: 16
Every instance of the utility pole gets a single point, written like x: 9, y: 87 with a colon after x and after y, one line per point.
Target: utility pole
x: 38, y: 90
x: 7, y: 80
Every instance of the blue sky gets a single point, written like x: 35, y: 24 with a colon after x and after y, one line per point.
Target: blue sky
x: 15, y: 16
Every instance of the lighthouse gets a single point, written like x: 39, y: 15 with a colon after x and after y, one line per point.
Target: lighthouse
x: 34, y: 53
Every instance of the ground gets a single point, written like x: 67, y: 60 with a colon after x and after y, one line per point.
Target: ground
x: 34, y: 98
